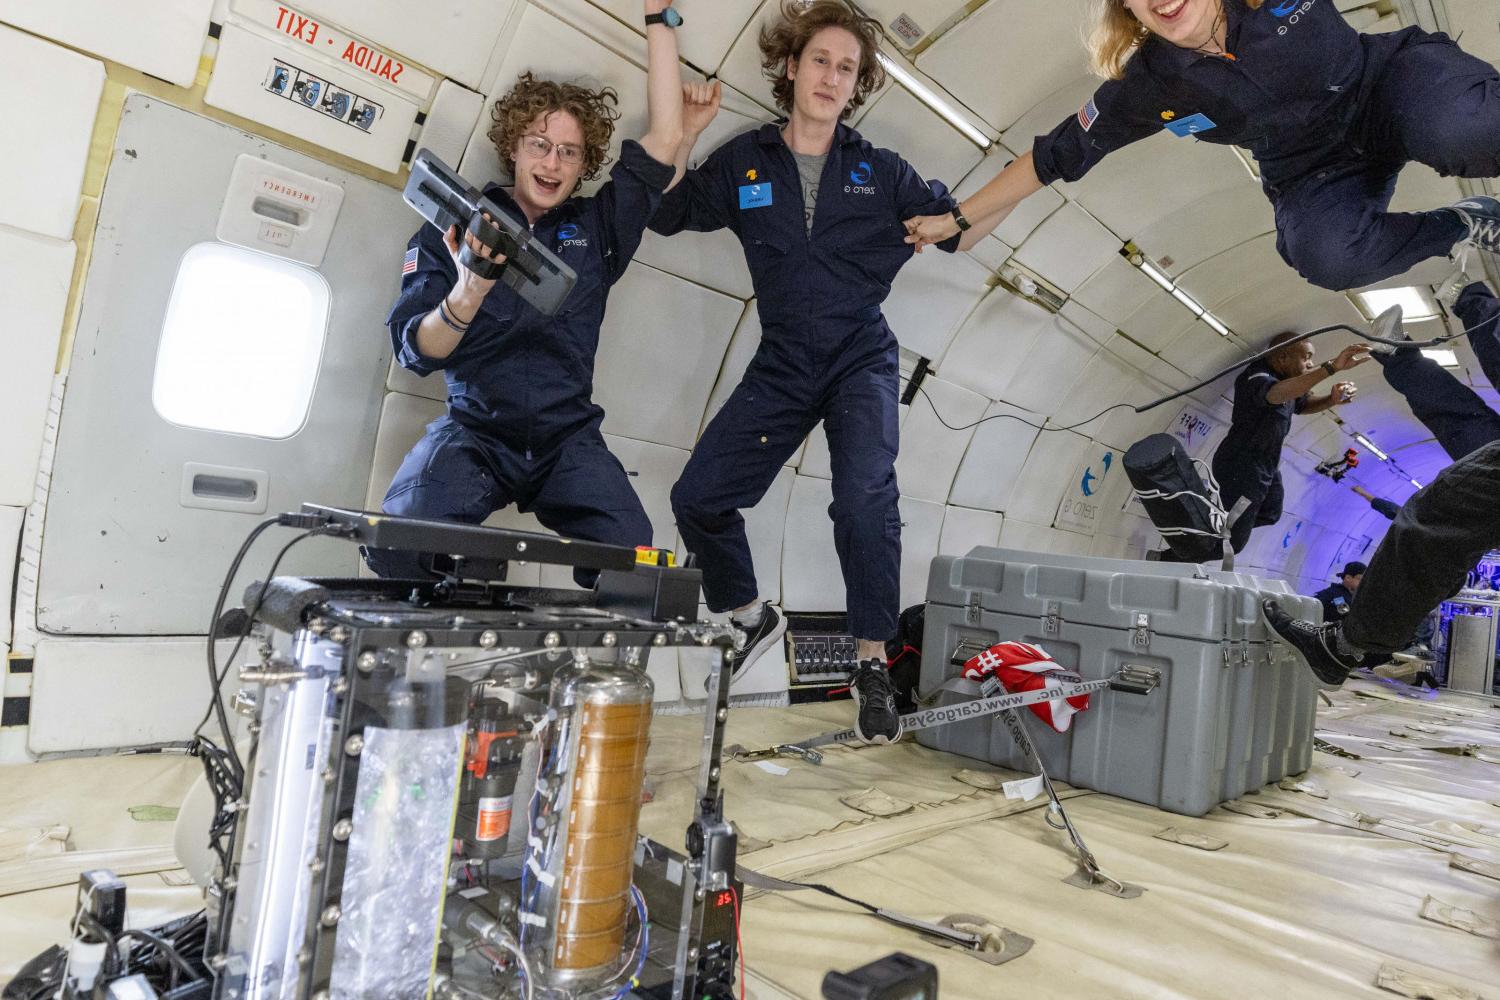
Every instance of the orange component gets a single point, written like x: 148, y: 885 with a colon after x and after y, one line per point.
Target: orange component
x: 478, y: 763
x: 599, y: 854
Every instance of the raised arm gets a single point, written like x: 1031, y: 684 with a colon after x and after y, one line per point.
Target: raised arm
x: 664, y: 89
x: 700, y: 102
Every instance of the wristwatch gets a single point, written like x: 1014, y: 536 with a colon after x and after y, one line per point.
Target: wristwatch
x: 958, y: 217
x: 1327, y: 366
x: 669, y: 17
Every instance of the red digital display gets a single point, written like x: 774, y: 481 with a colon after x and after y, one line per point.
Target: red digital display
x: 724, y: 899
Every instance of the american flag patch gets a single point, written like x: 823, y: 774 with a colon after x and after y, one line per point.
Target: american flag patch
x: 409, y: 264
x: 1088, y: 114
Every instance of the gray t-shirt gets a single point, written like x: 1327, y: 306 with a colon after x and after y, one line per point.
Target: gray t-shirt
x: 810, y: 170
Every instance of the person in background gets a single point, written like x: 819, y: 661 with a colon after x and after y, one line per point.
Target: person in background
x: 1338, y: 598
x: 1267, y: 394
x: 1388, y: 508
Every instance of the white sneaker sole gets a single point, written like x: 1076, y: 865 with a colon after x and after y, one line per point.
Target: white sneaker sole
x: 767, y: 642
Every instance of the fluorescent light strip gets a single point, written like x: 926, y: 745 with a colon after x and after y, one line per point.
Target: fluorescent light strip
x: 1188, y: 301
x: 1370, y: 446
x: 1416, y: 484
x: 1218, y: 327
x: 925, y: 94
x: 1157, y: 276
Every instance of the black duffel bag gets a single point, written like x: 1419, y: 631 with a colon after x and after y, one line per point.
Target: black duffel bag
x: 1184, y: 508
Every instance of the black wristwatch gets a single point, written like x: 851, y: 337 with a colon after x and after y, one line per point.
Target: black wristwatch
x: 963, y: 224
x: 669, y: 17
x: 1327, y: 366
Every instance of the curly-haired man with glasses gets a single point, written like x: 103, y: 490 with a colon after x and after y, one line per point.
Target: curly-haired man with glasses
x: 521, y: 425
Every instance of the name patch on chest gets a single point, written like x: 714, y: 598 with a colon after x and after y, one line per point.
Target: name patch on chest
x: 1191, y: 125
x: 755, y: 195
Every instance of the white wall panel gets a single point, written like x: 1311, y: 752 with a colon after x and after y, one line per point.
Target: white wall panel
x: 1159, y: 321
x: 95, y: 695
x: 245, y: 63
x: 1050, y: 365
x: 930, y: 452
x: 991, y: 346
x: 1117, y: 290
x: 931, y: 296
x: 710, y: 27
x: 921, y: 527
x: 928, y: 16
x: 660, y: 350
x: 454, y: 37
x: 160, y: 37
x: 653, y: 468
x: 1157, y: 179
x: 1209, y: 226
x: 811, y: 579
x: 1068, y: 248
x: 1244, y: 267
x: 42, y: 169
x: 815, y: 459
x: 432, y: 386
x: 1100, y: 330
x: 1201, y: 352
x: 965, y: 528
x: 711, y: 259
x: 990, y: 473
x: 1027, y: 537
x: 935, y: 149
x: 38, y: 272
x: 450, y: 121
x: 989, y: 62
x: 1047, y: 472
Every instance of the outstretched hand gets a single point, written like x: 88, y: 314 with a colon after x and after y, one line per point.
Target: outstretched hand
x: 924, y: 230
x: 700, y: 103
x: 1351, y: 356
x: 469, y: 283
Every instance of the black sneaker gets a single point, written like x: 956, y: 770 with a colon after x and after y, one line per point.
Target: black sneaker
x: 1317, y: 644
x: 755, y: 641
x: 877, y: 720
x: 1482, y: 215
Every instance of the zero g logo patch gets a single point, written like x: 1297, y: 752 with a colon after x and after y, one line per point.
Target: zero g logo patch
x: 1292, y: 10
x: 860, y: 177
x: 567, y: 235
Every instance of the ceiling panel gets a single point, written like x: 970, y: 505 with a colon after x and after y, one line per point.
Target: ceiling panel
x: 989, y: 61
x: 1068, y: 248
x: 1025, y: 217
x: 1209, y: 226
x: 1117, y: 290
x: 936, y: 149
x: 1152, y: 180
x: 710, y: 26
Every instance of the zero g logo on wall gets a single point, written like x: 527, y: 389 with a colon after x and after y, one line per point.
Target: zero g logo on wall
x: 860, y: 176
x: 302, y: 87
x: 1292, y: 10
x: 567, y: 235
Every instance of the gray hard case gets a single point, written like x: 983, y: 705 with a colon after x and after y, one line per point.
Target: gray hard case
x: 1233, y: 709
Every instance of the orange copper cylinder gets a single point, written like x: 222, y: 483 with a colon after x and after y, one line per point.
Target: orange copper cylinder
x: 600, y: 846
x: 596, y: 798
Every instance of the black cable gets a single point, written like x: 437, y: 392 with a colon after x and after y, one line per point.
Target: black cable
x: 170, y: 953
x: 1144, y: 407
x: 216, y: 674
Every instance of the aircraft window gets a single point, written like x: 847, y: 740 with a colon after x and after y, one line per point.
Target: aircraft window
x: 241, y: 343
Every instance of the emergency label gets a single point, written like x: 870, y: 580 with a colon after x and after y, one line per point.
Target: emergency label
x: 907, y: 30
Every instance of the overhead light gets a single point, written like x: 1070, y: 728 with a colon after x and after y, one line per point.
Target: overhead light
x: 1416, y: 484
x: 929, y: 97
x: 1156, y: 275
x: 1218, y: 327
x: 1443, y: 356
x: 1416, y: 303
x: 1187, y: 300
x: 1370, y: 446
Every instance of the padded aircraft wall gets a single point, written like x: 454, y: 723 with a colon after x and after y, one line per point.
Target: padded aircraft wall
x: 682, y: 324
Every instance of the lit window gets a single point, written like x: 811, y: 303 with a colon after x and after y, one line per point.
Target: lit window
x: 241, y: 343
x: 1416, y: 303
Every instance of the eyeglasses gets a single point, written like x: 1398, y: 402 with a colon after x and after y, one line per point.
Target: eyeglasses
x: 540, y: 146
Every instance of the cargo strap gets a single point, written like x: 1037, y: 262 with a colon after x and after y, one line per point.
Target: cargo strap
x: 965, y: 939
x: 1088, y: 875
x: 963, y: 711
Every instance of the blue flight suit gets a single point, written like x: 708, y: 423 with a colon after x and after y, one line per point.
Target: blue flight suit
x: 1248, y: 460
x: 825, y: 354
x: 1479, y: 311
x: 1337, y: 601
x: 1330, y: 114
x: 1453, y: 412
x: 521, y: 425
